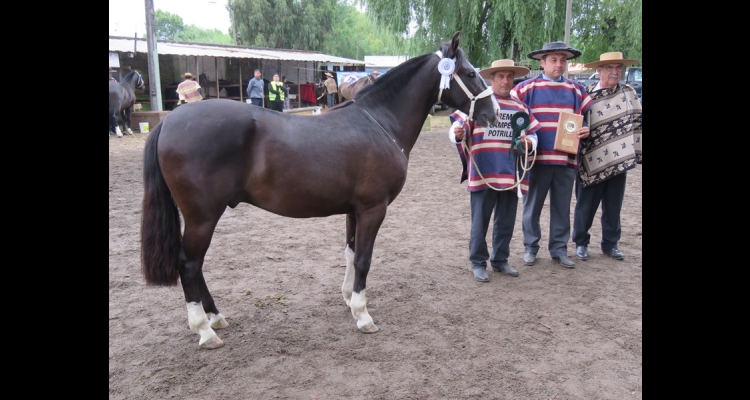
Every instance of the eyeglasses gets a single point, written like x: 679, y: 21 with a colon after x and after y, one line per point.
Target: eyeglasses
x: 613, y: 67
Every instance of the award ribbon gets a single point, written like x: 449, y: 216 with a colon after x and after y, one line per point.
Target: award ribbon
x: 446, y: 66
x: 518, y: 122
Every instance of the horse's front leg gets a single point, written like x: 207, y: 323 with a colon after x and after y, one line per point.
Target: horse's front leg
x: 366, y: 229
x: 202, y: 312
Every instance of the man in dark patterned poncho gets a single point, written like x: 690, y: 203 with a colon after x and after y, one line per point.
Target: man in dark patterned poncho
x: 613, y: 148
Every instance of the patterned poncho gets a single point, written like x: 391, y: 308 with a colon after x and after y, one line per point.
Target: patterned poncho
x: 492, y: 151
x: 614, y: 145
x: 547, y: 99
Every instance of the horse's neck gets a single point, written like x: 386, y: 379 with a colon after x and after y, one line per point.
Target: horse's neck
x: 132, y: 81
x: 403, y: 113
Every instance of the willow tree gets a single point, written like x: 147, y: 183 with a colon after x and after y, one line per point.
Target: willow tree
x: 493, y: 29
x: 602, y: 26
x: 353, y: 35
x: 490, y: 29
x: 282, y: 24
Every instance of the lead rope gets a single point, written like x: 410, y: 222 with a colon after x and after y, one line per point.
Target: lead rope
x: 447, y: 72
x: 520, y: 165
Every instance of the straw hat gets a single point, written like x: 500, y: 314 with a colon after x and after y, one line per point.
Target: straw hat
x: 329, y: 74
x: 188, y: 75
x: 504, y: 65
x: 614, y: 57
x: 555, y: 47
x: 375, y: 73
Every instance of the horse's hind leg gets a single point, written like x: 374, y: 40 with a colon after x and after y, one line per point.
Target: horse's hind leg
x: 202, y: 312
x: 348, y: 286
x: 126, y: 120
x: 114, y: 120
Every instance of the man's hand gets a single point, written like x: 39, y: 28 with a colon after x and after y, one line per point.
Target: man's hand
x: 459, y: 132
x: 525, y: 142
x: 583, y: 132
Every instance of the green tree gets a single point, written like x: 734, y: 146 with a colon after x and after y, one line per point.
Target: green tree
x: 493, y: 29
x: 602, y: 26
x: 353, y: 35
x: 283, y: 24
x: 169, y: 26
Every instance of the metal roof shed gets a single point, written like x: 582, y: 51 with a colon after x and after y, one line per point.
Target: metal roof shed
x: 227, y: 68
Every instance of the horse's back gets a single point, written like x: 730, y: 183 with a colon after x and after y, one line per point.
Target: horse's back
x: 234, y: 152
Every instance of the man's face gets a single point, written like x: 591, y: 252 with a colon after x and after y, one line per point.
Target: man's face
x: 554, y: 64
x: 502, y: 82
x: 610, y: 74
x: 257, y: 74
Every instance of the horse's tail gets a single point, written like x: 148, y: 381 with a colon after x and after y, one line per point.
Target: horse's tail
x: 161, y: 238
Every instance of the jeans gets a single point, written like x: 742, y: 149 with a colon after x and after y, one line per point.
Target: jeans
x: 331, y: 99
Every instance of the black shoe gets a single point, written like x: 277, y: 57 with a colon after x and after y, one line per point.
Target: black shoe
x: 529, y: 259
x: 480, y: 274
x: 565, y: 261
x: 506, y: 268
x: 582, y: 252
x: 615, y: 253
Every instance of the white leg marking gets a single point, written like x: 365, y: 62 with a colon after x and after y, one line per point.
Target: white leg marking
x: 198, y: 323
x: 118, y: 131
x: 348, y: 286
x: 128, y: 130
x: 217, y: 321
x: 359, y: 311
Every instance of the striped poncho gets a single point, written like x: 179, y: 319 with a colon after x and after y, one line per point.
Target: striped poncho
x: 547, y: 99
x: 188, y: 91
x: 491, y: 149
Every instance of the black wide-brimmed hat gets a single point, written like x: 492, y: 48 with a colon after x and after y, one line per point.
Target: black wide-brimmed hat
x: 555, y: 47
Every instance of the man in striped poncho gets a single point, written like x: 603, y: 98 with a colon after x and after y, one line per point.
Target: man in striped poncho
x: 495, y: 170
x: 554, y: 171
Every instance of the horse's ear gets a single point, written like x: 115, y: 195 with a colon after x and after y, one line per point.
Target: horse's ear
x: 454, y: 42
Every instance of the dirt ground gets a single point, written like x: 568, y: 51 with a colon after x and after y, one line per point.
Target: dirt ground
x: 551, y: 333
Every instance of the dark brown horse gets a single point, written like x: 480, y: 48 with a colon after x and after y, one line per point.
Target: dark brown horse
x: 121, y: 101
x: 347, y: 91
x: 210, y: 155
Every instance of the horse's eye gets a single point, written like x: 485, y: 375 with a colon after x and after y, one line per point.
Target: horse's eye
x: 472, y: 74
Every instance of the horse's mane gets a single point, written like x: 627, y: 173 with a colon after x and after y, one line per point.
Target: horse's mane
x: 383, y: 88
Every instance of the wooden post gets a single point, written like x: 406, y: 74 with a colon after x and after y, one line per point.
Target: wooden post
x: 216, y: 69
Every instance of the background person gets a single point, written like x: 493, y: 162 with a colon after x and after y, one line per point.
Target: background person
x: 331, y: 89
x: 287, y: 86
x: 276, y: 94
x: 491, y: 149
x: 613, y: 148
x: 188, y: 89
x: 554, y: 171
x: 255, y: 89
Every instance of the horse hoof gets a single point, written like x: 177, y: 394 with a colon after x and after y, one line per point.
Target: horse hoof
x: 213, y: 343
x: 370, y: 328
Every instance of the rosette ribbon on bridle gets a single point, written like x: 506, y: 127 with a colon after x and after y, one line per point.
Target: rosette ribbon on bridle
x: 446, y: 66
